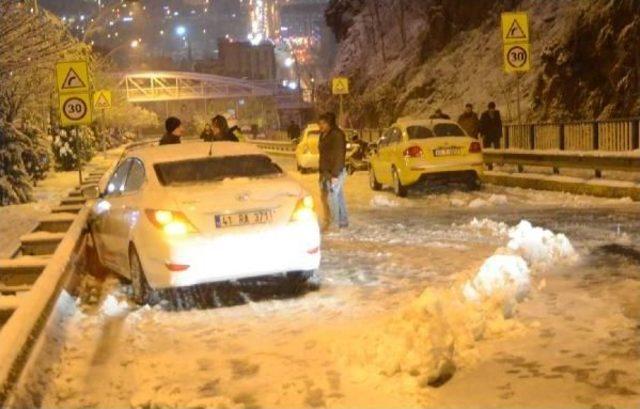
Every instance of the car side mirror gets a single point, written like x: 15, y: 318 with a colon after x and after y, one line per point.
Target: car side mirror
x: 91, y: 192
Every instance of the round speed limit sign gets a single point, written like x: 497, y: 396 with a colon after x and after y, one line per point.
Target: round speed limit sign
x: 74, y: 108
x: 517, y: 57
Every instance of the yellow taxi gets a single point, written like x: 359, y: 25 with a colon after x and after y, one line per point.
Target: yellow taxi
x: 425, y: 150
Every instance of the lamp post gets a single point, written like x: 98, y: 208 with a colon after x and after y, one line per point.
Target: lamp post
x: 184, y: 34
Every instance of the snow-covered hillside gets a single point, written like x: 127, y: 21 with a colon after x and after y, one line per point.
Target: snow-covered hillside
x: 410, y: 57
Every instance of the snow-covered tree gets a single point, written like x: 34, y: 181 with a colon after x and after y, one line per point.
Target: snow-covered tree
x: 67, y: 142
x: 15, y: 186
x: 37, y: 159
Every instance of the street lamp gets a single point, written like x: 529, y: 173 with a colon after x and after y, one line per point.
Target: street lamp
x: 181, y: 30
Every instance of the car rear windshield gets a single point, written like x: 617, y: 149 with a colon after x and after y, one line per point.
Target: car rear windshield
x: 448, y: 130
x: 422, y: 132
x: 215, y: 169
x: 419, y: 132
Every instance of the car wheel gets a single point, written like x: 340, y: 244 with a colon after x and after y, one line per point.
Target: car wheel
x: 474, y: 184
x: 398, y: 188
x: 301, y: 280
x: 139, y: 284
x: 373, y: 182
x: 350, y: 169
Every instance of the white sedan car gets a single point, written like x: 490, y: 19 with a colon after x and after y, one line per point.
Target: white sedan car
x: 194, y: 213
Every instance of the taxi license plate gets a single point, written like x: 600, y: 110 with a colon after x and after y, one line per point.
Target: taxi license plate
x: 451, y: 151
x: 244, y: 218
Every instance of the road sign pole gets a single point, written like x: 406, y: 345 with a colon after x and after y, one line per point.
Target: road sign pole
x: 518, y: 75
x: 341, y: 113
x: 78, y: 154
x: 104, y: 134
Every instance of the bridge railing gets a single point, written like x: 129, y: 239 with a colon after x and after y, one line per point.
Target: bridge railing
x: 616, y: 135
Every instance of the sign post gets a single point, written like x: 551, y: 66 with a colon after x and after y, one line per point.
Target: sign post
x: 516, y: 49
x: 340, y: 86
x: 72, y: 79
x: 102, y: 101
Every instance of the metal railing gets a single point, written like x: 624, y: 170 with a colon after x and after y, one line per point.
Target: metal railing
x: 616, y: 135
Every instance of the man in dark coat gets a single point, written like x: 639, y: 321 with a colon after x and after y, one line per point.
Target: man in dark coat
x: 293, y: 131
x: 332, y: 148
x: 491, y: 127
x: 469, y: 121
x: 174, y: 131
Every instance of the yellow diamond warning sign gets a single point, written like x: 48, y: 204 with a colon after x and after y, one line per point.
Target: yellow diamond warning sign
x: 340, y: 85
x: 72, y: 76
x: 102, y: 99
x: 515, y: 28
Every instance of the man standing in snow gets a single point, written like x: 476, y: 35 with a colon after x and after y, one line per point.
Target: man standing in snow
x: 491, y: 126
x: 173, y: 133
x: 469, y: 121
x: 332, y: 148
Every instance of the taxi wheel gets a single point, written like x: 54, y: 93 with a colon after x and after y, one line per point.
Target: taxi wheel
x: 398, y: 188
x: 301, y: 169
x: 373, y: 182
x: 139, y: 284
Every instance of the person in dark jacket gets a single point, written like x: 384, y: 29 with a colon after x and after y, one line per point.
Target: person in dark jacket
x: 293, y: 131
x: 221, y: 131
x: 491, y: 126
x: 174, y: 131
x: 207, y: 133
x: 469, y: 121
x: 332, y: 148
x: 439, y: 115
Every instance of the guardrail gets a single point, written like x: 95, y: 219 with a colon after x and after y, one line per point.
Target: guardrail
x: 277, y: 147
x: 32, y: 280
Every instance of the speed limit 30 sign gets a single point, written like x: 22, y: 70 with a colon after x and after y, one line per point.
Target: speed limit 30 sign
x: 517, y: 57
x: 75, y: 109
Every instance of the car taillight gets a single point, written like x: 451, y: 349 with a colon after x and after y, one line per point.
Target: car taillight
x: 304, y: 210
x: 413, y: 152
x: 170, y: 222
x: 475, y: 147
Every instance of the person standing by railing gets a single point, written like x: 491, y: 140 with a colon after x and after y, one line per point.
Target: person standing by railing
x: 469, y: 121
x: 491, y: 127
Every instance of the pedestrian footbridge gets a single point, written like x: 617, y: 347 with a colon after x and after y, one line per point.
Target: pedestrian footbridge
x: 150, y: 86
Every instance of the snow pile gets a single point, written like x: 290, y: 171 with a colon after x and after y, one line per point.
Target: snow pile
x: 112, y: 307
x: 493, y: 200
x: 540, y: 246
x: 437, y: 332
x: 383, y: 201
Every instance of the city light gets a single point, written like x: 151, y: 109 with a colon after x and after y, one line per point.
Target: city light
x: 289, y: 62
x: 181, y: 30
x: 135, y: 44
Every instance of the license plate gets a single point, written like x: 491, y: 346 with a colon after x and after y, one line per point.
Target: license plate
x: 451, y: 151
x: 244, y: 218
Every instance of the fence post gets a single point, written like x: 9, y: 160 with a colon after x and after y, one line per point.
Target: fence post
x: 532, y: 137
x: 635, y: 135
x: 506, y: 137
x: 596, y: 145
x: 556, y: 171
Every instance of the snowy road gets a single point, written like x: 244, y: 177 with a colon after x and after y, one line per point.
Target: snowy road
x: 573, y: 342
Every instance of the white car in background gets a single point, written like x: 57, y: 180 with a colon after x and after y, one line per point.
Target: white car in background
x: 307, y: 155
x: 194, y: 213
